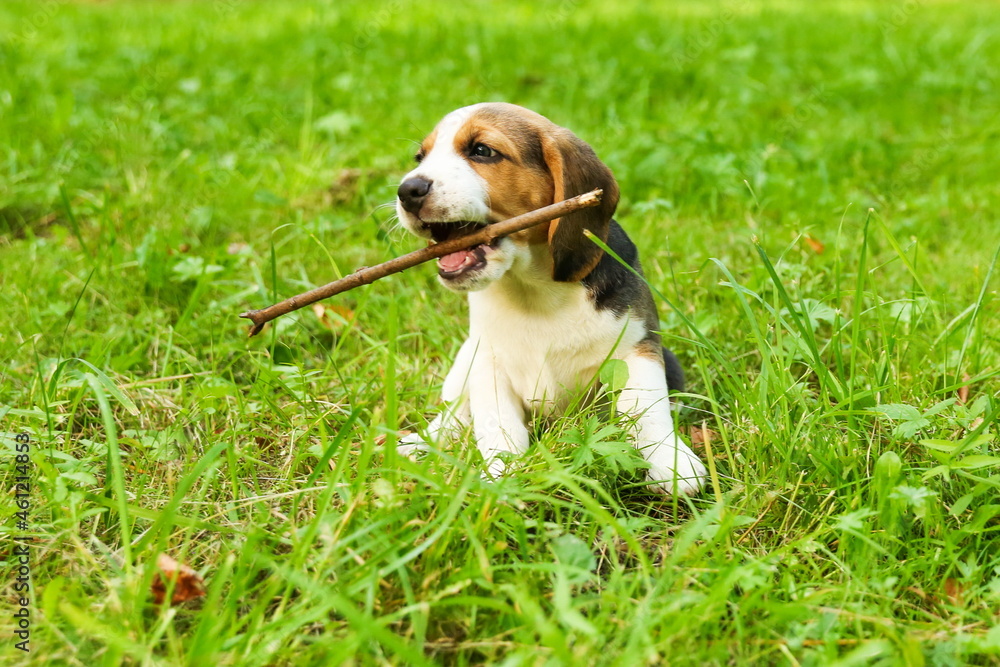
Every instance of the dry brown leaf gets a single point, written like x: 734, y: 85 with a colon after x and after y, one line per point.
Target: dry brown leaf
x: 963, y: 391
x: 265, y: 442
x: 816, y: 245
x: 345, y: 185
x: 187, y: 583
x: 953, y: 591
x: 331, y: 316
x: 699, y: 434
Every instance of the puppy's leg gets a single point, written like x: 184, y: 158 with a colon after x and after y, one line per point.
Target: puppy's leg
x: 498, y: 416
x: 672, y: 463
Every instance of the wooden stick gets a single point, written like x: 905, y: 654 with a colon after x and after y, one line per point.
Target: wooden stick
x: 370, y: 274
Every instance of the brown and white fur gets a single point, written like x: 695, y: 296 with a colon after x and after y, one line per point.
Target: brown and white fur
x: 547, y: 306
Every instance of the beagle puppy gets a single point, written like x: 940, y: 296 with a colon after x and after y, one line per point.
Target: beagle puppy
x: 547, y: 306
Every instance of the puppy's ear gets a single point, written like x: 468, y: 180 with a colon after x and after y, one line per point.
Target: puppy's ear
x: 576, y: 169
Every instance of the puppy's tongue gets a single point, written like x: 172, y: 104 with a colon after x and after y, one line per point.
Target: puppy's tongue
x: 457, y: 260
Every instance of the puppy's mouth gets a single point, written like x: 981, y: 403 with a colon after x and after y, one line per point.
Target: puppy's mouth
x: 444, y: 231
x: 460, y: 262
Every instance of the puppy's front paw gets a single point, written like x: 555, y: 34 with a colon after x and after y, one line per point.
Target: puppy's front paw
x: 412, y: 446
x: 675, y: 468
x: 496, y: 466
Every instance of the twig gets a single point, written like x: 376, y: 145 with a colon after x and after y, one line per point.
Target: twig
x: 370, y: 274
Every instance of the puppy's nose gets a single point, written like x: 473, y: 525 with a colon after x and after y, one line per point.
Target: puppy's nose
x: 412, y: 193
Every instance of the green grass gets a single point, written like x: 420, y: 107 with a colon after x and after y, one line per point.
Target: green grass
x: 165, y: 165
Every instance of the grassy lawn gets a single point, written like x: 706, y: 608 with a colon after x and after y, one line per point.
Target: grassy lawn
x: 814, y: 188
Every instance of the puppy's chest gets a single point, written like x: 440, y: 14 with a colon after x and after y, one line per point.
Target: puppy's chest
x: 548, y: 354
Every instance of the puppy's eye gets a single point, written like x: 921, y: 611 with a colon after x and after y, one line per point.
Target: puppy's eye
x: 482, y: 150
x: 418, y: 158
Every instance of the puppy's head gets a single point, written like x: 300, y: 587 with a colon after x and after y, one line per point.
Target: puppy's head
x: 489, y: 162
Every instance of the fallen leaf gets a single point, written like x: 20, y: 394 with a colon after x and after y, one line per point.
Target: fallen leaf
x: 817, y: 246
x: 182, y: 248
x: 953, y: 591
x: 345, y: 185
x: 700, y: 433
x: 963, y: 391
x: 347, y: 177
x: 332, y: 316
x: 265, y: 442
x: 187, y: 583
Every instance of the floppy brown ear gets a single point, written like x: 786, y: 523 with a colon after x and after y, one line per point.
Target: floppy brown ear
x: 576, y: 169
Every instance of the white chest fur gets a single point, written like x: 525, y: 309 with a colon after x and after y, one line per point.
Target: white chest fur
x: 547, y: 340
